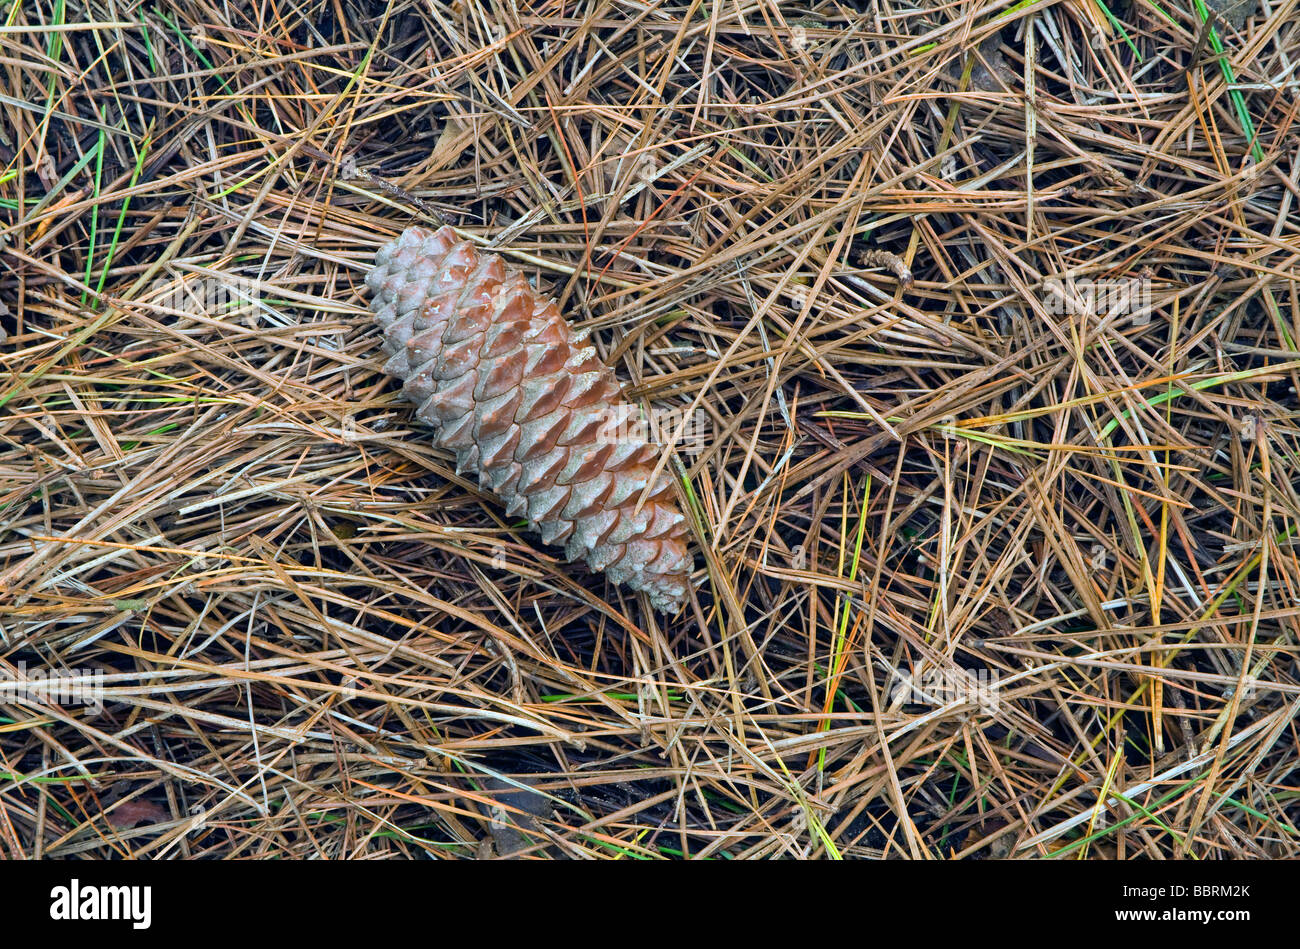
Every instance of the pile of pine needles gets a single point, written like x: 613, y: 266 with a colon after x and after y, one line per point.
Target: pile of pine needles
x: 989, y: 313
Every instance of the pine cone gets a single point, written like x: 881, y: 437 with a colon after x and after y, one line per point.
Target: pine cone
x: 498, y: 373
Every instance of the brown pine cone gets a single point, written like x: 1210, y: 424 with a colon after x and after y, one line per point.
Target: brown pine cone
x: 506, y: 384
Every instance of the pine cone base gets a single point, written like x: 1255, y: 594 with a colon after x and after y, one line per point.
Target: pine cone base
x: 507, y: 385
